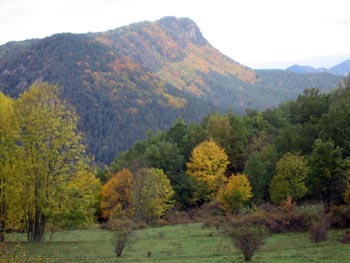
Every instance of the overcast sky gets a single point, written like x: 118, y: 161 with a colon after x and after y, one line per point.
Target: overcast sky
x: 256, y: 33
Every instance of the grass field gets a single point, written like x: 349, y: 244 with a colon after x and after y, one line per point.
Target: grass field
x: 180, y: 243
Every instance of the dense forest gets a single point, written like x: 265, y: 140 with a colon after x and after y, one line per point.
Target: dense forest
x: 300, y: 150
x: 142, y: 77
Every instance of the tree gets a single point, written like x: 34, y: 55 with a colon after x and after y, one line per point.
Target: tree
x: 76, y: 203
x: 218, y: 129
x: 8, y: 133
x: 260, y: 168
x: 50, y: 153
x: 236, y: 192
x: 208, y: 165
x: 290, y: 178
x: 117, y: 195
x: 152, y: 194
x: 327, y: 172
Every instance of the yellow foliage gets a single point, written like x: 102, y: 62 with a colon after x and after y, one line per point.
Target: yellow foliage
x: 208, y: 164
x: 236, y: 192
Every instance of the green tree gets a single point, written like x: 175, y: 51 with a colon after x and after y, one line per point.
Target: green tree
x: 327, y: 172
x: 290, y: 178
x: 218, y: 129
x: 235, y: 193
x: 208, y: 165
x: 336, y: 122
x: 51, y: 153
x: 152, y: 194
x: 260, y: 168
x: 75, y: 203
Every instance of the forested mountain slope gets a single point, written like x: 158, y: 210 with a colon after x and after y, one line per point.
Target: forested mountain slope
x: 141, y: 77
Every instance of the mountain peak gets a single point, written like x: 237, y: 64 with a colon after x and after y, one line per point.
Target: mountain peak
x: 182, y: 30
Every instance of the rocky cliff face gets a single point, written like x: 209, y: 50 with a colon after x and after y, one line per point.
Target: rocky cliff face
x: 182, y: 30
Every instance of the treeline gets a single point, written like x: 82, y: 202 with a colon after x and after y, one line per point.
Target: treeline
x: 299, y: 150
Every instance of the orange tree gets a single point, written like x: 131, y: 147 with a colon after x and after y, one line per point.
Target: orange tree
x: 117, y: 195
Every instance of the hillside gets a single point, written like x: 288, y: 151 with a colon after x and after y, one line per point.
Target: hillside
x: 141, y: 77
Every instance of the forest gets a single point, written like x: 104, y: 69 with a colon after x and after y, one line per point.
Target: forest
x: 242, y: 171
x: 298, y: 150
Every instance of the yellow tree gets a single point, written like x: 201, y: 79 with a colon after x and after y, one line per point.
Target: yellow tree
x: 8, y: 133
x: 117, y: 195
x: 50, y: 153
x: 208, y: 163
x: 235, y: 193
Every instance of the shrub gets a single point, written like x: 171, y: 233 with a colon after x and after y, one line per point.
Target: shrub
x: 247, y: 239
x: 346, y: 237
x: 319, y: 230
x: 121, y: 236
x: 340, y: 216
x: 277, y: 219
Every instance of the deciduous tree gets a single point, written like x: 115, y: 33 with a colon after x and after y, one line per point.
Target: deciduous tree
x: 51, y: 152
x: 290, y: 178
x: 208, y: 165
x: 235, y: 193
x: 152, y: 194
x: 8, y: 133
x: 117, y: 195
x: 327, y: 172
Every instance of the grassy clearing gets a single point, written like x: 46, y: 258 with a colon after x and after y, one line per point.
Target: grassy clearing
x: 180, y: 243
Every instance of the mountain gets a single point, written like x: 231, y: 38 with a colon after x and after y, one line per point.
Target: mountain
x: 340, y: 69
x: 306, y: 69
x: 130, y: 80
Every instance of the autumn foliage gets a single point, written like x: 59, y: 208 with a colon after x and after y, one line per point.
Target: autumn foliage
x: 208, y: 165
x: 235, y: 193
x: 117, y: 195
x: 144, y: 196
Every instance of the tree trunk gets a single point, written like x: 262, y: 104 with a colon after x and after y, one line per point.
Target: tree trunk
x: 36, y: 225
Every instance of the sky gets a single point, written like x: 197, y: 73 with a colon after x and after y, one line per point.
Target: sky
x: 255, y: 33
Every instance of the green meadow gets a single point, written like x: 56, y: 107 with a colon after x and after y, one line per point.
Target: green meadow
x: 173, y: 244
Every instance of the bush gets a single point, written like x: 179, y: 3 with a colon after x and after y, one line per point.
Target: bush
x: 319, y: 228
x: 277, y: 219
x: 346, y: 237
x: 318, y: 232
x: 340, y: 216
x: 121, y: 236
x: 247, y: 239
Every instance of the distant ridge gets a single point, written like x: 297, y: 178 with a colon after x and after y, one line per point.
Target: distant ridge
x: 340, y: 69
